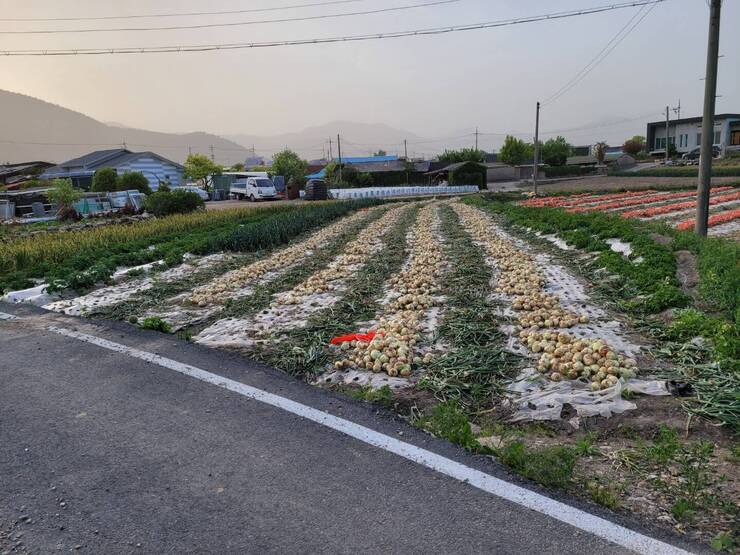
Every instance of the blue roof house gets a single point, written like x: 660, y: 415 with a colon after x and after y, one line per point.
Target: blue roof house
x: 154, y: 167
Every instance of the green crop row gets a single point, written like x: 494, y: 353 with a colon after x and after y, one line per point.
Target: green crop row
x: 648, y: 286
x: 79, y: 259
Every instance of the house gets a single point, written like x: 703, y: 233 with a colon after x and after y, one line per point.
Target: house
x: 12, y: 175
x: 685, y: 133
x: 154, y: 167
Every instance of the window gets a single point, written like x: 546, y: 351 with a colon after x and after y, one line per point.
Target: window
x: 717, y: 137
x: 698, y: 139
x: 735, y: 137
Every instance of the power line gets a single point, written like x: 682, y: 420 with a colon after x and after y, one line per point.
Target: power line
x: 603, y: 53
x: 181, y: 14
x: 326, y: 40
x: 230, y: 23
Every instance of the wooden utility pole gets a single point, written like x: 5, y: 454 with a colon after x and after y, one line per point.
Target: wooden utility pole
x: 707, y: 122
x: 666, y: 135
x: 476, y: 138
x: 536, y: 148
x: 331, y: 154
x: 339, y: 150
x: 213, y: 156
x: 406, y: 158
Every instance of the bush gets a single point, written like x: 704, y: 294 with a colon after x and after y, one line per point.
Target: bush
x: 164, y: 203
x: 104, y: 180
x: 134, y: 180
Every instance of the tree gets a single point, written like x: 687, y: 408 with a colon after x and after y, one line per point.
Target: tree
x: 130, y: 181
x: 599, y: 150
x: 381, y: 152
x: 104, y: 180
x: 64, y: 195
x: 634, y: 145
x: 462, y: 155
x: 238, y: 167
x: 288, y: 164
x: 555, y: 151
x: 515, y: 151
x: 201, y: 168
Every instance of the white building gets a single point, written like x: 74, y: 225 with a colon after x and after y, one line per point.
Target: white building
x: 685, y: 133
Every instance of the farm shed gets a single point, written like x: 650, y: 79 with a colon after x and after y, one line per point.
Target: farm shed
x: 14, y: 174
x: 462, y: 173
x: 154, y: 167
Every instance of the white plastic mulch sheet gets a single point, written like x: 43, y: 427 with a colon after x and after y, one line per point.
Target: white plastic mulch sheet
x: 724, y: 229
x: 121, y: 292
x: 537, y: 398
x: 291, y: 309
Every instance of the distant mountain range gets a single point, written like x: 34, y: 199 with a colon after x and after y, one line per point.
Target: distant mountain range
x: 32, y: 129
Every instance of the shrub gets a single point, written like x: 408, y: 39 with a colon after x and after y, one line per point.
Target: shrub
x: 134, y: 180
x: 164, y: 203
x: 64, y: 195
x: 104, y: 180
x: 515, y: 151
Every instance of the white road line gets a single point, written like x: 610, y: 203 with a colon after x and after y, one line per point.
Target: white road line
x: 555, y: 509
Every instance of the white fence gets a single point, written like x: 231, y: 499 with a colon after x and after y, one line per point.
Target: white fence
x: 381, y: 192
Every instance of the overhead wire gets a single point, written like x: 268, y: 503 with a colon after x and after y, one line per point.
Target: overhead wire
x: 230, y: 23
x: 326, y: 40
x: 180, y: 14
x: 615, y: 41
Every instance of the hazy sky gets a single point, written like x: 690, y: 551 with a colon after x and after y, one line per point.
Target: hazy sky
x: 432, y: 86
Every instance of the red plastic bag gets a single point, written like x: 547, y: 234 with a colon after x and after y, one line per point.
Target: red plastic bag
x: 352, y: 337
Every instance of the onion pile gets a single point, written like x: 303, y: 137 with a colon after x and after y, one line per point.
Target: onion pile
x: 213, y: 292
x: 399, y: 330
x: 355, y: 253
x: 563, y: 355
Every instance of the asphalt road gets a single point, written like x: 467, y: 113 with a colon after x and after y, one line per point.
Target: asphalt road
x: 101, y: 452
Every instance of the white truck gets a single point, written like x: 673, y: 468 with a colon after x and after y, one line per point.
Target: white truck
x: 253, y: 186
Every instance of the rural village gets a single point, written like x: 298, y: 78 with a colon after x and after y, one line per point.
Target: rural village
x: 324, y: 353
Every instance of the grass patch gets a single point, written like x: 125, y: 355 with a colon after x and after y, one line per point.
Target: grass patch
x: 155, y: 323
x: 448, y: 421
x: 382, y: 396
x: 605, y: 495
x: 549, y: 466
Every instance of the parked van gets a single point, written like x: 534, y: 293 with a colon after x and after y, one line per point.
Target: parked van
x: 253, y: 186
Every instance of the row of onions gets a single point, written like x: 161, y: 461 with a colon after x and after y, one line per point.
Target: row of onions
x: 218, y: 290
x: 540, y: 315
x: 392, y: 345
x: 354, y: 254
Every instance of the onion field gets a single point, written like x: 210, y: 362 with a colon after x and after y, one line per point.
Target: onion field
x: 536, y: 330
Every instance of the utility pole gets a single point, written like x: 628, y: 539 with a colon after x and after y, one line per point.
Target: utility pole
x: 190, y: 150
x: 406, y: 157
x: 707, y: 122
x: 339, y: 150
x: 476, y: 138
x: 666, y: 135
x: 213, y: 156
x: 331, y: 154
x: 677, y: 110
x: 536, y: 148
